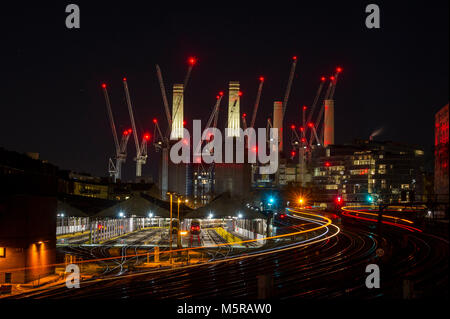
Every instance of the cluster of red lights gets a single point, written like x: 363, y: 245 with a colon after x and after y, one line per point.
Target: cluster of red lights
x: 126, y: 132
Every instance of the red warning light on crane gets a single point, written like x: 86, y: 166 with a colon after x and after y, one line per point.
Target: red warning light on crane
x: 292, y: 153
x: 240, y: 93
x: 184, y: 123
x: 304, y: 107
x: 220, y: 93
x: 104, y: 85
x: 301, y: 128
x: 155, y: 121
x: 303, y: 139
x: 294, y: 58
x: 293, y: 126
x: 332, y: 78
x: 147, y: 136
x: 244, y: 114
x: 327, y: 164
x: 130, y: 130
x: 125, y: 133
x: 192, y: 60
x: 124, y: 79
x: 261, y: 78
x: 323, y: 78
x: 339, y: 69
x: 310, y: 124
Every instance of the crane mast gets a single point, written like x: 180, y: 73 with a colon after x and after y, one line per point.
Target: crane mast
x: 258, y: 97
x: 289, y: 84
x: 141, y: 154
x: 164, y: 96
x: 115, y: 170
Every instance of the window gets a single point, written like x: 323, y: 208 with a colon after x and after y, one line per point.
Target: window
x: 7, y: 277
x: 2, y: 252
x: 331, y: 187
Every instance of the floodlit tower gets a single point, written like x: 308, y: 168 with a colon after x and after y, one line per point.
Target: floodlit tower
x: 177, y: 112
x: 278, y: 122
x: 233, y: 124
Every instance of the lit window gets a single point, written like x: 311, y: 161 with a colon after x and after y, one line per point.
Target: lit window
x: 2, y: 252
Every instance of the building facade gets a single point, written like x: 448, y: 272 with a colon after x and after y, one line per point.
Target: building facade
x: 368, y: 171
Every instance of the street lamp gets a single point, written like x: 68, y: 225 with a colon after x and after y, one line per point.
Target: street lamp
x: 178, y: 222
x: 170, y: 225
x: 121, y: 214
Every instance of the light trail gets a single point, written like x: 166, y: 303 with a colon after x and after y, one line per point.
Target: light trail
x: 348, y: 212
x: 326, y: 222
x: 291, y: 246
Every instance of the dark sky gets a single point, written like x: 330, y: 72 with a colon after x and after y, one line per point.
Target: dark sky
x: 51, y: 102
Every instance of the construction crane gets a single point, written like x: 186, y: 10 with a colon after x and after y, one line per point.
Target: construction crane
x: 328, y: 96
x: 162, y: 140
x: 164, y: 96
x: 141, y: 149
x: 115, y: 169
x: 289, y: 84
x: 316, y: 99
x: 258, y: 97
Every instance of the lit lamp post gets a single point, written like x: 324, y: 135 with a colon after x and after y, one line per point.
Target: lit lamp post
x: 170, y: 226
x: 179, y: 223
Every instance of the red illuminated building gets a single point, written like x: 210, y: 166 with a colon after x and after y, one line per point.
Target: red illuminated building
x: 441, y: 154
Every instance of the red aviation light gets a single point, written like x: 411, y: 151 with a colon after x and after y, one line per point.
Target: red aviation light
x: 301, y: 128
x: 332, y: 78
x: 192, y: 61
x: 304, y: 107
x: 104, y: 85
x: 184, y: 123
x: 294, y: 58
x: 147, y: 136
x: 339, y: 69
x: 125, y: 133
x: 240, y: 93
x: 221, y: 93
x: 130, y: 130
x: 217, y: 97
x: 155, y: 120
x: 293, y: 126
x: 244, y: 114
x: 310, y: 124
x: 303, y: 139
x: 261, y: 78
x: 327, y: 164
x: 293, y: 153
x: 124, y: 79
x: 323, y: 79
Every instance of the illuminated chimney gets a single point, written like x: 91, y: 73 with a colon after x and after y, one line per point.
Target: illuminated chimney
x: 328, y: 127
x: 233, y: 109
x: 278, y: 122
x: 177, y: 112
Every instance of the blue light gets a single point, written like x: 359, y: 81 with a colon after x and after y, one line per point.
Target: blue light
x: 369, y: 198
x: 271, y: 200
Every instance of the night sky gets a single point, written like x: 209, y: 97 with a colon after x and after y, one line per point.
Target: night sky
x: 394, y: 78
